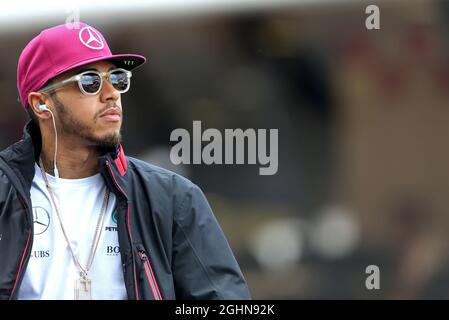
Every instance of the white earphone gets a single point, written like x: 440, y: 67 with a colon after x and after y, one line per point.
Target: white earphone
x: 44, y: 108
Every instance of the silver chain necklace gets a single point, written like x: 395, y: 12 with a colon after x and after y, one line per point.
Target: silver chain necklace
x: 83, y: 285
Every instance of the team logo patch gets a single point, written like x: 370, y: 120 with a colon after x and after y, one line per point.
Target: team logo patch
x: 91, y: 38
x: 115, y: 216
x: 41, y: 220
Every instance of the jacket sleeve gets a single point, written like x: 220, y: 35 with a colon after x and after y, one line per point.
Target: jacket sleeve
x: 203, y: 264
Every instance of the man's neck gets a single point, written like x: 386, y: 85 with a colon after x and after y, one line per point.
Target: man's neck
x: 74, y: 161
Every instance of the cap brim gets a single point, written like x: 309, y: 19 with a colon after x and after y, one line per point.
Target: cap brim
x: 125, y: 61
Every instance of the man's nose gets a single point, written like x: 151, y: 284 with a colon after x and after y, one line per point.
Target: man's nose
x: 108, y: 92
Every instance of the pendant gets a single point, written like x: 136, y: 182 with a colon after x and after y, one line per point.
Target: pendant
x: 83, y: 288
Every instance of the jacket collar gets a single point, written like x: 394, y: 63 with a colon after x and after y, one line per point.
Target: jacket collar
x: 22, y: 156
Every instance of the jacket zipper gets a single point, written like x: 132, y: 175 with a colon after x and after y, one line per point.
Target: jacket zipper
x: 128, y: 224
x: 19, y: 272
x: 150, y: 275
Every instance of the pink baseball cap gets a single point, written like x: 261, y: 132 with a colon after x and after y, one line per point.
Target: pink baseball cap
x: 60, y: 49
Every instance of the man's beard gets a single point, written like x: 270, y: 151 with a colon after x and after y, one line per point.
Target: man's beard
x: 72, y: 126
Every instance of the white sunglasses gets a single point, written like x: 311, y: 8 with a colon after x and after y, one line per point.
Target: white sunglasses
x: 90, y: 82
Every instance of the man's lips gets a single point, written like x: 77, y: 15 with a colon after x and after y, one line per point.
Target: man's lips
x: 111, y: 115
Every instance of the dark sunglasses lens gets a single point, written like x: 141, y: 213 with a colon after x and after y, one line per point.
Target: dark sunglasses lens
x: 120, y: 80
x: 91, y: 82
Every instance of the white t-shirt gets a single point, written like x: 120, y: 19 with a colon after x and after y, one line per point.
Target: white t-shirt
x: 51, y: 271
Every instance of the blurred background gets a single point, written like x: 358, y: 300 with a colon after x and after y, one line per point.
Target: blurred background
x: 363, y: 119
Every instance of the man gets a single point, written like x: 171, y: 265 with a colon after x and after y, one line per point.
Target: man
x: 79, y: 219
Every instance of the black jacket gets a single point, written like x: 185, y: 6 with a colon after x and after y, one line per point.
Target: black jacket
x: 171, y: 245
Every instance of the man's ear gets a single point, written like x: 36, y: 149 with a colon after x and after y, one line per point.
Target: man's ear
x: 35, y: 99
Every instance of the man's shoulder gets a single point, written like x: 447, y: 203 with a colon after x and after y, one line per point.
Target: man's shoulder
x: 5, y: 179
x: 159, y: 176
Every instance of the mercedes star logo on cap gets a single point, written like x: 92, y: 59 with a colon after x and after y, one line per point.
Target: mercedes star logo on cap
x: 91, y: 38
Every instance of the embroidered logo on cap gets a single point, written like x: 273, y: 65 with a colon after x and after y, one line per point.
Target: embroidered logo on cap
x: 91, y: 38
